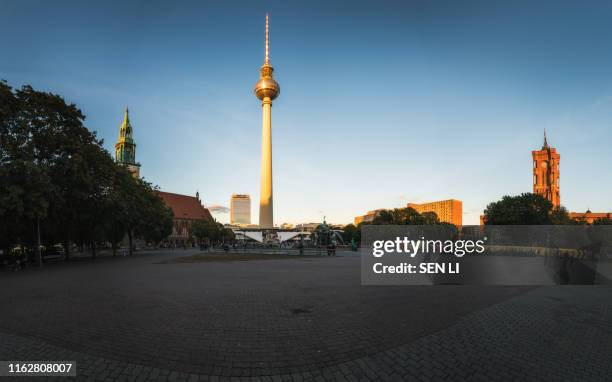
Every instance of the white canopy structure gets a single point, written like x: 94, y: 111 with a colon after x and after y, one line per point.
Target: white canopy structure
x: 255, y: 235
x: 282, y: 236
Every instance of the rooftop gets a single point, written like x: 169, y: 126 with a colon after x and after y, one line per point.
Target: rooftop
x: 185, y: 206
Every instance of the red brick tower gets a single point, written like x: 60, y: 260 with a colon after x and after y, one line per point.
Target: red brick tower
x: 546, y: 173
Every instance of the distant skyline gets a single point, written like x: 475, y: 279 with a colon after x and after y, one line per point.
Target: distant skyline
x: 381, y: 104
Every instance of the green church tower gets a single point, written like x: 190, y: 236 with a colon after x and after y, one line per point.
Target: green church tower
x: 125, y: 148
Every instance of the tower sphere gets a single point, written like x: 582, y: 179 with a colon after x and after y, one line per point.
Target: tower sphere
x: 266, y: 86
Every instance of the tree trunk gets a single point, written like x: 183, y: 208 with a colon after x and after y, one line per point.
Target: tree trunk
x: 114, y: 246
x: 130, y: 241
x: 67, y: 249
x: 93, y: 250
x: 38, y: 250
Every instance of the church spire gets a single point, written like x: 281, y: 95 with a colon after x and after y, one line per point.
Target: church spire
x: 545, y: 141
x: 125, y: 132
x: 125, y: 148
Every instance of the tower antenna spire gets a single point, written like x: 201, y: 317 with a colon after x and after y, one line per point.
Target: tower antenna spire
x: 545, y: 140
x: 267, y: 62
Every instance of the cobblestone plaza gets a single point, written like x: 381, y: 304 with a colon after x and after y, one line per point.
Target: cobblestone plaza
x: 144, y: 318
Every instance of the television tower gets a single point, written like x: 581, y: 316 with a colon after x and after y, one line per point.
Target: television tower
x: 266, y: 90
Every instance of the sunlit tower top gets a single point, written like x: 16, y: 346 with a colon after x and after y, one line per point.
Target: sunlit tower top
x: 267, y: 86
x: 125, y: 148
x: 546, y: 173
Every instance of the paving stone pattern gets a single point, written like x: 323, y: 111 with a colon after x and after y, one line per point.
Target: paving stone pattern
x: 139, y: 319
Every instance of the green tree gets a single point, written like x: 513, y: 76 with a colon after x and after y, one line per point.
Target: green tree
x: 56, y: 175
x: 228, y: 234
x: 212, y: 231
x: 203, y: 230
x: 602, y: 221
x: 143, y: 212
x: 350, y: 233
x: 384, y: 217
x: 158, y: 217
x: 405, y: 216
x: 560, y: 216
x: 430, y: 218
x: 52, y: 141
x: 114, y: 207
x: 25, y: 183
x: 526, y: 209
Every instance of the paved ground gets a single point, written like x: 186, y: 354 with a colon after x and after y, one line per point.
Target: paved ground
x: 144, y: 318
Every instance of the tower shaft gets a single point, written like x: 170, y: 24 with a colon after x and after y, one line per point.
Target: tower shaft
x: 266, y: 214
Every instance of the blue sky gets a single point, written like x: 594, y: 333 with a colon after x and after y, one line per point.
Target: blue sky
x: 381, y: 103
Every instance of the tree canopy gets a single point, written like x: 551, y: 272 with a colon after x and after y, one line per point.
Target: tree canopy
x: 405, y: 216
x: 525, y: 209
x: 351, y: 234
x: 602, y: 221
x: 212, y: 231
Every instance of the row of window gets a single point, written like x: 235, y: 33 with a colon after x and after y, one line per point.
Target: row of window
x: 125, y: 155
